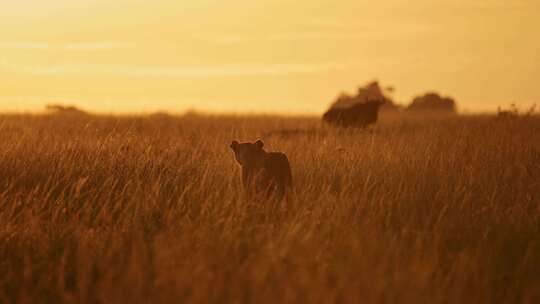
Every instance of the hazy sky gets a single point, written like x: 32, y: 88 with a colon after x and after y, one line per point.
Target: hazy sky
x: 264, y: 55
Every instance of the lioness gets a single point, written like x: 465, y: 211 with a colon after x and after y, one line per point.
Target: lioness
x: 265, y: 174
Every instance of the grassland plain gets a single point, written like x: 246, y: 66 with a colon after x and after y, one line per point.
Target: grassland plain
x: 149, y: 210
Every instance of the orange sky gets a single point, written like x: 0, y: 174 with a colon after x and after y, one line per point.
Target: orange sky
x: 264, y: 55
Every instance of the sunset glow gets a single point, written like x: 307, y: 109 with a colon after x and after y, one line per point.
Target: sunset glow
x: 264, y: 56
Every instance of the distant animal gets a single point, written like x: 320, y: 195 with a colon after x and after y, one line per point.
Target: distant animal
x: 432, y: 102
x: 264, y: 174
x: 359, y: 115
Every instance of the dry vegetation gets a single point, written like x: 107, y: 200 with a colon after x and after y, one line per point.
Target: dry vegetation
x: 148, y: 210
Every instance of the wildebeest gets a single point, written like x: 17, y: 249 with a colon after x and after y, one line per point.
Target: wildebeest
x: 359, y: 115
x: 432, y: 102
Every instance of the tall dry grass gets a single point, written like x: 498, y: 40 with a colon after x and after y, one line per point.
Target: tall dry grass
x: 149, y: 210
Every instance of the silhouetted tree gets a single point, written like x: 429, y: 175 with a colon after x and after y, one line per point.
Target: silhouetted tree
x: 362, y: 109
x: 371, y: 92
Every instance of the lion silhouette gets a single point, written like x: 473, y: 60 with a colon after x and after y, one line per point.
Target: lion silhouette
x: 264, y: 174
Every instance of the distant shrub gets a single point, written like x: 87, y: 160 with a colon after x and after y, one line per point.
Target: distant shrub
x: 62, y: 109
x: 513, y: 112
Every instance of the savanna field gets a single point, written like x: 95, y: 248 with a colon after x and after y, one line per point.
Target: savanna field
x: 150, y: 210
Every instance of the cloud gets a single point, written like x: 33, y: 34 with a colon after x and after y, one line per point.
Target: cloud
x: 332, y: 33
x: 95, y: 46
x: 284, y: 37
x: 72, y: 46
x: 24, y: 45
x: 187, y: 72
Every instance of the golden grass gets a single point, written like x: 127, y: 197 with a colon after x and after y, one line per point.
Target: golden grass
x: 148, y: 210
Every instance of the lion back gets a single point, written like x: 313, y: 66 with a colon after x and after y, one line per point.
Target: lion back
x: 278, y: 168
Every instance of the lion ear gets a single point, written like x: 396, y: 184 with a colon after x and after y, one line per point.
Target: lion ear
x: 259, y: 144
x: 234, y: 144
